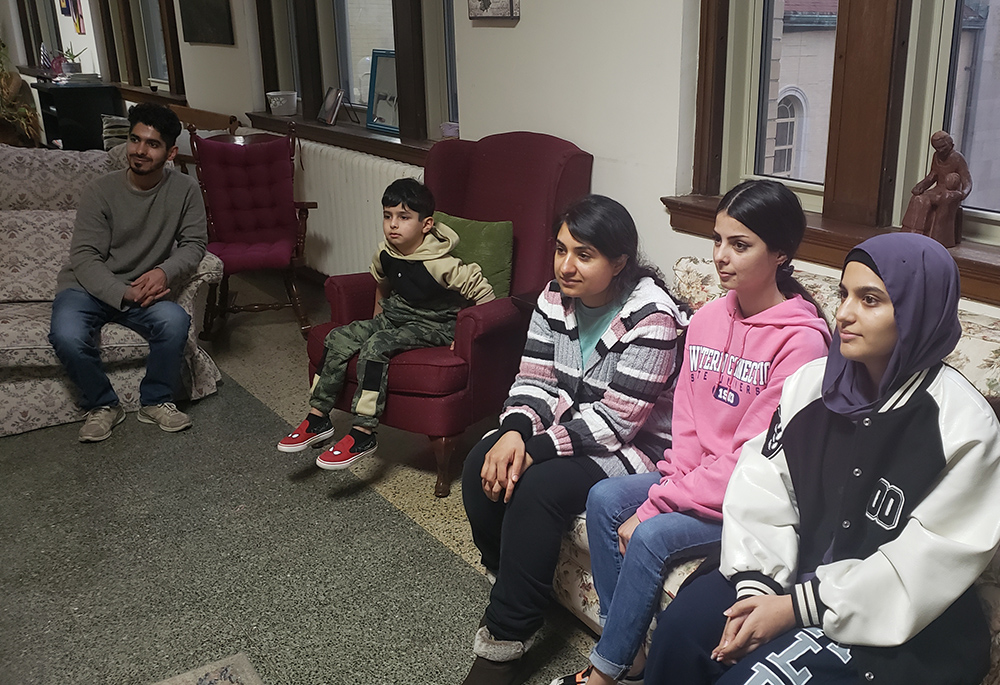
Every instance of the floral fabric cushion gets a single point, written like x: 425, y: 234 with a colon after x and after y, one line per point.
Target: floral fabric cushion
x: 24, y: 338
x: 34, y: 245
x: 48, y: 179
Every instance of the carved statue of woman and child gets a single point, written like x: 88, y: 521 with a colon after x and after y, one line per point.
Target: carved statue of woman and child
x: 933, y: 209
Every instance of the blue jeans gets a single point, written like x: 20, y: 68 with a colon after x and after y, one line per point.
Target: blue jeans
x: 75, y: 333
x: 629, y: 587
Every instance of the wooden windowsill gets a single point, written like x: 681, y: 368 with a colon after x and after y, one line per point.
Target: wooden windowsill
x: 347, y: 135
x: 144, y: 94
x: 827, y: 242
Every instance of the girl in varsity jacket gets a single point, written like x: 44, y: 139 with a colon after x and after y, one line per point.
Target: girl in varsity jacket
x: 738, y: 351
x: 855, y: 526
x: 592, y: 399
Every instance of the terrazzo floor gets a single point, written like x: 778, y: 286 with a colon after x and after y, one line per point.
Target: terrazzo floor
x: 265, y: 353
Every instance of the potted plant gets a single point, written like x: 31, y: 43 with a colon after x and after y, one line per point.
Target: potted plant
x: 18, y: 120
x: 71, y: 60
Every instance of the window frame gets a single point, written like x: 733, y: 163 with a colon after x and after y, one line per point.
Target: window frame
x: 866, y: 137
x: 132, y: 85
x: 407, y: 20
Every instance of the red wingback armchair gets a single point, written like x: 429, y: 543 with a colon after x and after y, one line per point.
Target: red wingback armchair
x: 253, y: 220
x: 525, y: 178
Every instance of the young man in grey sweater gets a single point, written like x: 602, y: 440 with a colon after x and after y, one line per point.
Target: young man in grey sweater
x: 138, y: 232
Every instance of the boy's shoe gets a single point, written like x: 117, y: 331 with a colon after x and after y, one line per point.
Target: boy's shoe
x: 314, y: 429
x: 348, y: 450
x: 99, y: 423
x: 165, y: 415
x: 580, y: 678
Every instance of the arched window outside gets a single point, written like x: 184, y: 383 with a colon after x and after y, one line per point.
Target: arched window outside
x: 784, y: 135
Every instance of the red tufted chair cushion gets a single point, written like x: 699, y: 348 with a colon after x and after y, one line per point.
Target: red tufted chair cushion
x: 252, y: 220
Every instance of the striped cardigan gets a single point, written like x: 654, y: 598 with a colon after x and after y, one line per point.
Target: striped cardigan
x: 615, y: 410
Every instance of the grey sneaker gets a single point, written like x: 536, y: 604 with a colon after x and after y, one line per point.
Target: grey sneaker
x: 99, y: 423
x: 167, y: 416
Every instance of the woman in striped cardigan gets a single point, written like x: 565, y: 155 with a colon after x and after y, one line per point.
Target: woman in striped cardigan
x: 592, y: 400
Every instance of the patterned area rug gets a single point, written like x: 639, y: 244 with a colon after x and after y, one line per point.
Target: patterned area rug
x: 233, y: 670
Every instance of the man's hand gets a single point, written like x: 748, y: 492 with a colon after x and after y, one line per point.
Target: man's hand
x: 625, y: 531
x: 503, y: 466
x: 148, y: 288
x: 752, y: 622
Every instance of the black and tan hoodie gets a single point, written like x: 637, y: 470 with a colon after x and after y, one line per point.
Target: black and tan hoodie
x: 430, y: 282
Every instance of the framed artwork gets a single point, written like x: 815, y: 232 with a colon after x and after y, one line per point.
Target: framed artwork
x: 331, y: 105
x: 207, y: 21
x: 383, y: 105
x: 500, y: 9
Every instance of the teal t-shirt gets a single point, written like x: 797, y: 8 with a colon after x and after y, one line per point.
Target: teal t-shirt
x: 591, y: 322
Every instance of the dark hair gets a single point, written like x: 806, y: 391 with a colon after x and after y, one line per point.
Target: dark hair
x: 410, y: 193
x: 159, y: 117
x: 606, y: 225
x: 774, y: 214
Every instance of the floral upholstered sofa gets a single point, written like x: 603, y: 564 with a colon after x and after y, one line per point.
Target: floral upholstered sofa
x: 977, y: 356
x: 39, y: 192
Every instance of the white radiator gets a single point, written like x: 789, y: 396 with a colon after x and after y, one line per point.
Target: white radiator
x: 346, y: 227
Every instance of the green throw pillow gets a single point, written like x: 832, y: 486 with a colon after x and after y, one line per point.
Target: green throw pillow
x: 489, y: 244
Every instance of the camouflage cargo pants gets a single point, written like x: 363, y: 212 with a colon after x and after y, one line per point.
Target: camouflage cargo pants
x: 375, y: 341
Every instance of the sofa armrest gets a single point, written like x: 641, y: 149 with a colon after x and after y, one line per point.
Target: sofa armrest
x: 351, y: 297
x: 209, y: 271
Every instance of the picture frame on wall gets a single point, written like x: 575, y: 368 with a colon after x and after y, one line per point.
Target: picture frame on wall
x: 383, y: 103
x: 332, y: 103
x: 207, y: 21
x: 495, y: 9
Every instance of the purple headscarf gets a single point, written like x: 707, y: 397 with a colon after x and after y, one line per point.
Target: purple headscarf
x: 923, y: 284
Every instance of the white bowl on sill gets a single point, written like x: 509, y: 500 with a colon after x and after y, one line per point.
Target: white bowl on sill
x: 283, y: 103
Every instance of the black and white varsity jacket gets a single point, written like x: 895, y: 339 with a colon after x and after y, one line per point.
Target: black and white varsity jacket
x: 877, y: 527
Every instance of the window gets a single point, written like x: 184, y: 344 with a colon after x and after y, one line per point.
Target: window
x: 362, y: 26
x: 940, y: 79
x: 38, y: 26
x: 152, y: 36
x: 797, y: 50
x: 141, y: 43
x: 312, y: 45
x: 784, y: 138
x: 903, y: 71
x: 974, y: 92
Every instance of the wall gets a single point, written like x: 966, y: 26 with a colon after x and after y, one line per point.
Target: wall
x: 620, y: 83
x: 225, y: 78
x: 89, y: 62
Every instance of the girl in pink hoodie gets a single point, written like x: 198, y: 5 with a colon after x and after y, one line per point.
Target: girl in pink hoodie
x: 737, y: 352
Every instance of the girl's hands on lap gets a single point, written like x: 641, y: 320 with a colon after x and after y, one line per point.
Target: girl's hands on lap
x: 503, y: 466
x: 753, y: 622
x: 625, y: 531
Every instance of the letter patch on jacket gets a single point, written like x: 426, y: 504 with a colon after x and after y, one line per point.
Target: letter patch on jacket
x: 885, y: 505
x: 773, y: 443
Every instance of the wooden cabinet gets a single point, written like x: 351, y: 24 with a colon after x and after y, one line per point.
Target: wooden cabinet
x: 72, y: 112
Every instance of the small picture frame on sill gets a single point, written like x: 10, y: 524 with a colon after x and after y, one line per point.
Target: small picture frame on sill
x: 494, y: 9
x: 383, y: 104
x: 331, y: 105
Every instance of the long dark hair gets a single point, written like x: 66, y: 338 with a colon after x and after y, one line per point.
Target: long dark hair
x: 606, y: 225
x: 775, y: 215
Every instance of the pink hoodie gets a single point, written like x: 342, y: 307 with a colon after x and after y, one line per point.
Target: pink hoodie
x: 729, y: 386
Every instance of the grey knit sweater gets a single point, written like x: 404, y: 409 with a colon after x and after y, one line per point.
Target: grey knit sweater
x: 121, y: 233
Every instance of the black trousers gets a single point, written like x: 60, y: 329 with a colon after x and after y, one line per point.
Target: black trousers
x: 519, y: 541
x: 690, y: 627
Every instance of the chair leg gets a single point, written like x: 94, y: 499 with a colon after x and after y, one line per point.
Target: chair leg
x: 224, y: 303
x: 211, y: 311
x: 293, y: 296
x: 444, y: 450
